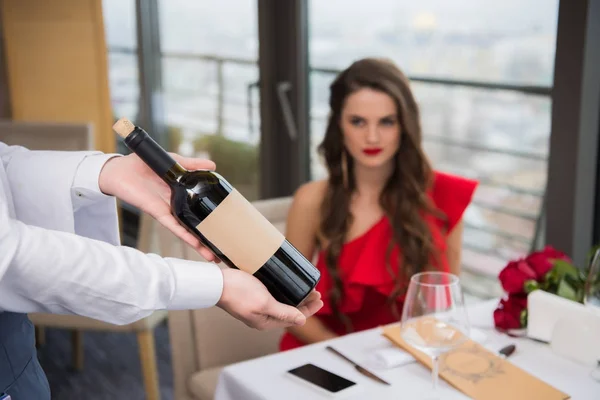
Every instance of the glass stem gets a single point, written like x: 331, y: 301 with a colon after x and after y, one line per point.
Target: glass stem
x: 435, y: 372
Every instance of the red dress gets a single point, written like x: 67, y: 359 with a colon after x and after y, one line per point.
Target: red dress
x: 362, y: 263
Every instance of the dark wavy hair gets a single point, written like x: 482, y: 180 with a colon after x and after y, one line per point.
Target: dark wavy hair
x: 404, y: 197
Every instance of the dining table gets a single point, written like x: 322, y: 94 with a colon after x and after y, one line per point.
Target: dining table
x: 266, y: 378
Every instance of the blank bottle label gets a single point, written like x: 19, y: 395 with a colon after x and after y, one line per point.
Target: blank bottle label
x: 241, y: 232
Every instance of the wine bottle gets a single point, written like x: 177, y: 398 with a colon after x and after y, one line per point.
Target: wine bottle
x: 226, y: 222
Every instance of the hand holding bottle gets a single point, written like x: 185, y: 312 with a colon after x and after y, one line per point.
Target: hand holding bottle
x: 225, y: 222
x: 131, y: 180
x: 247, y: 299
x: 244, y: 296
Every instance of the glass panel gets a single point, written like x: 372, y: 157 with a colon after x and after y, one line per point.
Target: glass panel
x: 512, y: 41
x: 500, y: 137
x: 224, y: 29
x: 206, y: 85
x: 120, y: 22
x: 509, y: 132
x: 124, y: 84
x: 120, y: 27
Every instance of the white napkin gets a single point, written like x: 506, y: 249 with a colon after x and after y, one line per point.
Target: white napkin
x: 545, y: 309
x: 392, y: 357
x: 478, y: 336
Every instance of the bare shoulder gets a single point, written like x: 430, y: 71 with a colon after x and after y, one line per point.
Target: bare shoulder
x: 310, y: 195
x: 305, y: 210
x: 304, y: 216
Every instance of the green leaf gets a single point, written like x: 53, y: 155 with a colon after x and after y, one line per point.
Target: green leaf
x: 550, y: 283
x: 574, y: 281
x: 567, y: 291
x: 546, y: 286
x: 531, y: 285
x: 562, y: 268
x: 523, y: 318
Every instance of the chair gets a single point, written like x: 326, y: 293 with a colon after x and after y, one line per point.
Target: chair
x: 63, y: 136
x: 47, y: 136
x: 204, y: 341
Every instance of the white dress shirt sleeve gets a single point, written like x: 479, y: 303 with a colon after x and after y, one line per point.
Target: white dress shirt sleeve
x: 47, y: 265
x: 85, y: 189
x: 58, y: 272
x: 95, y: 213
x: 41, y: 186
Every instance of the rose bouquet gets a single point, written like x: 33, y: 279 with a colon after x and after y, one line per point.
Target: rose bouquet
x: 549, y: 270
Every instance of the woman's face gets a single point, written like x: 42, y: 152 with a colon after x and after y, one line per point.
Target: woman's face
x: 370, y: 127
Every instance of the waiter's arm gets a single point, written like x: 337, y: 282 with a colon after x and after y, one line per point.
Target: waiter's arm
x: 60, y: 272
x: 46, y: 266
x: 61, y: 253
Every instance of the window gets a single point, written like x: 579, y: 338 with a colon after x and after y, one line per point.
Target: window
x: 120, y: 27
x: 210, y: 52
x: 482, y: 75
x: 120, y: 22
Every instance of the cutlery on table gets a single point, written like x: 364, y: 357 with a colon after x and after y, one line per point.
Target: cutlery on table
x: 358, y: 367
x: 506, y: 351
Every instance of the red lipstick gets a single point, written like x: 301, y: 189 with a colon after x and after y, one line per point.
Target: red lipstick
x: 372, y: 151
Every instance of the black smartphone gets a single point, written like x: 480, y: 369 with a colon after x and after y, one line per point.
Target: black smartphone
x: 323, y: 380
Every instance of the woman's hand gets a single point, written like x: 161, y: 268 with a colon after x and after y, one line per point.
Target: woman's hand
x: 131, y: 180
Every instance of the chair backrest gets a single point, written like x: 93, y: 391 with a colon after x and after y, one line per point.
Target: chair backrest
x: 210, y: 337
x: 47, y: 135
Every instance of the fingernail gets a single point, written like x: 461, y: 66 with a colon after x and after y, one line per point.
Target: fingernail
x: 299, y: 320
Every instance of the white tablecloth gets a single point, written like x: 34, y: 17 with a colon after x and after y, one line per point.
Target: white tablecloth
x: 265, y: 378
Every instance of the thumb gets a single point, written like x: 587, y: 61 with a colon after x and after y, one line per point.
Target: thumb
x: 284, y: 313
x: 194, y: 163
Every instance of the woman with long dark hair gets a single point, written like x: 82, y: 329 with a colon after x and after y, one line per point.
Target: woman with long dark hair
x: 382, y: 215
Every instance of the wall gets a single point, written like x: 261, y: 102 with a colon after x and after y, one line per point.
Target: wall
x: 56, y: 61
x: 4, y: 97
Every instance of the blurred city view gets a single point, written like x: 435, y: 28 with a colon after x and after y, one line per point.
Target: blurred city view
x: 482, y: 76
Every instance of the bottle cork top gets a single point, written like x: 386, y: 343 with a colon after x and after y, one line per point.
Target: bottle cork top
x: 123, y: 127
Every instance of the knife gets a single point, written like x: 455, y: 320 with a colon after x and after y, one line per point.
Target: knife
x: 506, y: 351
x: 359, y: 368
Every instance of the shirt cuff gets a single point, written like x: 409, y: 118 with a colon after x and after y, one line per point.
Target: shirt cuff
x: 85, y: 188
x: 197, y: 284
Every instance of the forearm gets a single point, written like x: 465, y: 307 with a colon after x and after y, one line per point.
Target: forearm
x: 312, y: 332
x: 49, y: 271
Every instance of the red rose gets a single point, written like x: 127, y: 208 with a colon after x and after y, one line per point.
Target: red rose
x: 541, y: 261
x: 508, y: 313
x: 514, y: 276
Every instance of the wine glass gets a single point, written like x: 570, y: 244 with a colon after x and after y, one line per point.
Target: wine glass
x: 434, y: 319
x: 591, y: 296
x: 591, y: 291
